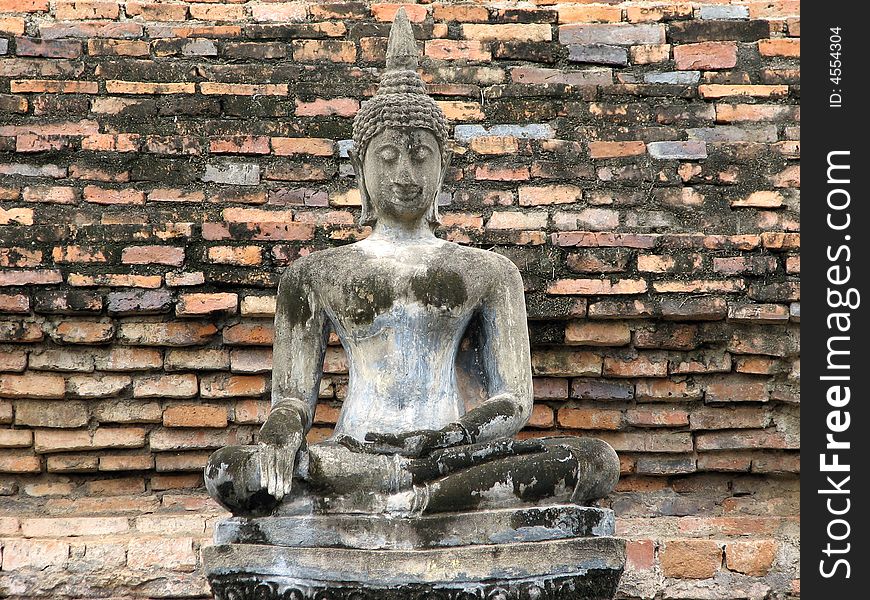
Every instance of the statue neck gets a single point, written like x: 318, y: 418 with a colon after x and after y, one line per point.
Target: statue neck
x: 398, y: 231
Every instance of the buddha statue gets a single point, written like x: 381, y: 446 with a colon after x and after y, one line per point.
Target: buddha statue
x: 401, y: 300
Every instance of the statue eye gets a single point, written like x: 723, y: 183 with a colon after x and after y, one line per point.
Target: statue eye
x: 421, y: 153
x: 388, y: 153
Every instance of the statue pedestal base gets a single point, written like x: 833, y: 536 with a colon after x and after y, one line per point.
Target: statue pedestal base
x: 532, y: 553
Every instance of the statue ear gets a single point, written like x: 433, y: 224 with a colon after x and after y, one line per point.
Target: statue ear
x: 367, y: 216
x: 434, y: 215
x: 446, y: 159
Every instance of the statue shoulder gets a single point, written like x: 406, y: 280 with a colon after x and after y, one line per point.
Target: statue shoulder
x: 486, y: 265
x: 312, y: 269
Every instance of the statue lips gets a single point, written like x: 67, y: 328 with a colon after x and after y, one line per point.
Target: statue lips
x: 406, y: 193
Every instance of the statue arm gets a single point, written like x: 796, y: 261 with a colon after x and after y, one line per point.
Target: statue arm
x: 506, y: 358
x: 301, y: 334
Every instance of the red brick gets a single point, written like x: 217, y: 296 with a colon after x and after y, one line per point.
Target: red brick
x: 667, y: 389
x: 648, y: 441
x: 640, y: 554
x: 757, y: 365
x: 15, y: 438
x: 726, y: 90
x: 647, y: 54
x: 589, y: 418
x: 321, y: 107
x: 99, y: 195
x: 705, y: 56
x: 166, y: 386
x: 86, y: 9
x: 17, y: 303
x: 83, y: 332
x: 152, y: 11
x: 230, y: 386
x: 462, y: 13
x: 5, y: 411
x: 590, y: 333
x: 77, y: 254
x: 130, y: 359
x: 195, y: 415
x: 32, y: 385
x: 729, y: 462
x: 746, y: 439
x: 461, y: 110
x: 699, y: 286
x: 595, y: 287
x: 173, y: 481
x: 575, y: 13
x: 384, y: 11
x: 111, y: 47
x: 72, y: 526
x: 182, y: 461
x: 71, y: 463
x: 23, y: 6
x: 252, y: 411
x: 750, y: 557
x: 20, y: 331
x: 657, y: 417
x: 52, y: 86
x: 176, y: 554
x: 702, y: 362
x: 737, y: 388
x: 125, y: 486
x: 144, y: 87
x: 165, y: 439
x: 249, y: 334
x: 616, y: 149
x: 564, y: 362
x: 16, y: 216
x: 205, y: 304
x: 51, y: 413
x: 332, y: 51
x: 518, y: 32
x: 126, y: 462
x: 641, y: 365
x: 729, y: 417
x: 165, y: 334
x: 542, y: 417
x: 34, y: 554
x: 80, y: 439
x: 473, y: 50
x: 488, y: 172
x: 19, y: 461
x: 690, y: 559
x: 780, y: 47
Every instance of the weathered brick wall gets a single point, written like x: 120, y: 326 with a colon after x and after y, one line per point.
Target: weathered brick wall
x: 161, y: 163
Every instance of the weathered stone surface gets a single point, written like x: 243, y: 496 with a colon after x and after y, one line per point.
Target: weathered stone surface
x: 378, y: 532
x: 592, y: 565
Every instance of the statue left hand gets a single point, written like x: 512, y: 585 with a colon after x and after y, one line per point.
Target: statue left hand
x: 417, y: 443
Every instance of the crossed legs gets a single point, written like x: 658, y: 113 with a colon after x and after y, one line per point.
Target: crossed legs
x: 497, y: 474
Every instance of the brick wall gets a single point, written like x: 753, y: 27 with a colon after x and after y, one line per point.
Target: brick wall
x: 162, y: 162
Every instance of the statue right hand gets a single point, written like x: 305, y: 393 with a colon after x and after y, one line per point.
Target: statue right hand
x: 280, y: 441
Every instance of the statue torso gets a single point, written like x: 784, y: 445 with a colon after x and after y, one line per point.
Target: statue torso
x: 400, y: 311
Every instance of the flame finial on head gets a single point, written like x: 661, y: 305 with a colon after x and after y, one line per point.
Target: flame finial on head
x: 401, y: 47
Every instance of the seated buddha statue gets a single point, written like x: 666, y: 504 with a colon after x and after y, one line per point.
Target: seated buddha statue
x: 401, y: 301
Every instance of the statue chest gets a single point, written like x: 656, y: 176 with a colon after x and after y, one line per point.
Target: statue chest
x: 405, y: 300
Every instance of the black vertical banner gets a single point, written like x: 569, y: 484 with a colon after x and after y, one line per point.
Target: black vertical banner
x: 835, y: 426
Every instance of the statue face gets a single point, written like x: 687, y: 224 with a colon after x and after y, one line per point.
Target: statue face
x: 402, y: 172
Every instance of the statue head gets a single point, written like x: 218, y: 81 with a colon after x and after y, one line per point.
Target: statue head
x: 400, y: 150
